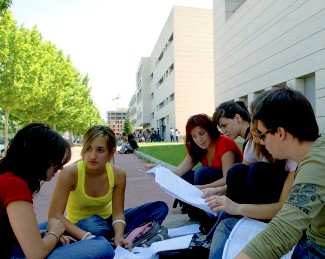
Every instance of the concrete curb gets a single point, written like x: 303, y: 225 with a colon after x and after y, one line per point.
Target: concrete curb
x: 153, y: 160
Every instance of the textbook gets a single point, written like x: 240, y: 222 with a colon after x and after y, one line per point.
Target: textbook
x: 178, y: 188
x: 242, y: 233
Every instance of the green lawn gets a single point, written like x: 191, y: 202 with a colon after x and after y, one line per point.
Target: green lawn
x: 171, y: 153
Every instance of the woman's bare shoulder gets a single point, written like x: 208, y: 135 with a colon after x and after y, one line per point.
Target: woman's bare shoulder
x: 118, y: 171
x: 70, y: 171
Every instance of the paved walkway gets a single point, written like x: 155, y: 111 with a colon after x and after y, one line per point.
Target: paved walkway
x: 140, y: 188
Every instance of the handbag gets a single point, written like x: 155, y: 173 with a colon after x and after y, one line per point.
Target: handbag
x: 146, y: 234
x: 198, y: 248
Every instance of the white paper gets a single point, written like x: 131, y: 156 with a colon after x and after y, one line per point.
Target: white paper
x: 178, y: 188
x: 242, y: 233
x: 184, y: 230
x: 150, y: 252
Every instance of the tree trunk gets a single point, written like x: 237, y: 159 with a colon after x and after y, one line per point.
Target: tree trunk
x: 6, y: 128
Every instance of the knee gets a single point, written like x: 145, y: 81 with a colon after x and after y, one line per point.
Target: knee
x: 103, y: 246
x: 236, y: 172
x: 94, y: 224
x: 163, y: 207
x: 200, y: 169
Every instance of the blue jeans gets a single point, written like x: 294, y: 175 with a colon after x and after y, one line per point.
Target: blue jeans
x: 134, y: 217
x: 202, y: 175
x: 125, y: 147
x: 97, y: 247
x: 220, y: 237
x: 308, y: 249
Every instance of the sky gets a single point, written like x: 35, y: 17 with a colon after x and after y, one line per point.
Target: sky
x: 104, y: 38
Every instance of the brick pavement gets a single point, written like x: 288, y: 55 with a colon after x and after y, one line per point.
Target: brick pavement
x: 140, y: 188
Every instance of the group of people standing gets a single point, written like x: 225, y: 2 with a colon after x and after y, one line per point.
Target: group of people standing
x: 277, y: 177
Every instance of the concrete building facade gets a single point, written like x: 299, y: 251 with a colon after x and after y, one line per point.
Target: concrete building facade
x: 115, y: 120
x: 176, y: 81
x: 261, y: 45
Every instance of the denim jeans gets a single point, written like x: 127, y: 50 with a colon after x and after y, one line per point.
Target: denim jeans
x: 125, y: 147
x: 308, y: 249
x: 97, y: 247
x: 202, y: 175
x: 220, y: 237
x: 134, y: 217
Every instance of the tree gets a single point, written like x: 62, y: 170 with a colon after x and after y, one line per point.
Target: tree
x: 127, y: 129
x: 4, y: 6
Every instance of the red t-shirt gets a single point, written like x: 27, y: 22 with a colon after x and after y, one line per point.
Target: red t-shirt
x: 221, y: 146
x: 12, y: 188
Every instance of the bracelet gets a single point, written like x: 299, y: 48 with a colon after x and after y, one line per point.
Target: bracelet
x: 85, y: 236
x: 119, y: 220
x: 52, y: 233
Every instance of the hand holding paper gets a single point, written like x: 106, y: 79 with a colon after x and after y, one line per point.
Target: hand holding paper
x: 177, y: 187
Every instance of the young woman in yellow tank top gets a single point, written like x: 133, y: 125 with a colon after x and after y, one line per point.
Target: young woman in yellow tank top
x: 91, y: 192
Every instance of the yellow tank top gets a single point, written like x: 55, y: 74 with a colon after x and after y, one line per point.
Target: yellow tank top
x: 81, y: 206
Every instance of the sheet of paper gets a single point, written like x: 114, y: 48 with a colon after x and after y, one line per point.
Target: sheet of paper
x: 184, y: 230
x: 242, y: 233
x: 177, y: 187
x: 122, y: 253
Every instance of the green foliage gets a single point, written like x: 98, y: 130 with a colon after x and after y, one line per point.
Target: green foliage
x: 172, y: 154
x: 4, y: 6
x: 39, y: 83
x: 127, y: 128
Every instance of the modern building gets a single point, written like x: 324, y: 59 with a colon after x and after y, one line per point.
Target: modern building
x: 265, y: 44
x: 176, y: 81
x: 115, y: 120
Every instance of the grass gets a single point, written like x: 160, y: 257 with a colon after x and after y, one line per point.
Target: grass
x: 171, y: 153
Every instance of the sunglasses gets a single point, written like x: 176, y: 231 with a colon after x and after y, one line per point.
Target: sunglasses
x: 263, y: 135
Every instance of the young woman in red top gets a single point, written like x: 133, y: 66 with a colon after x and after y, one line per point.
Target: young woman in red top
x: 206, y: 145
x: 216, y: 153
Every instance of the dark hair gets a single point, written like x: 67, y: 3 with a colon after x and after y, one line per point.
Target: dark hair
x: 100, y: 131
x: 290, y: 110
x: 229, y: 110
x: 33, y: 150
x: 206, y: 123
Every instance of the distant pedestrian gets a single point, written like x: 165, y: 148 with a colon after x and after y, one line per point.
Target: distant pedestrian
x: 176, y: 134
x: 172, y: 134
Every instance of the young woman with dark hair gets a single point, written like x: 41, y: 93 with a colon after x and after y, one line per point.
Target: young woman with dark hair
x: 34, y: 155
x: 233, y: 119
